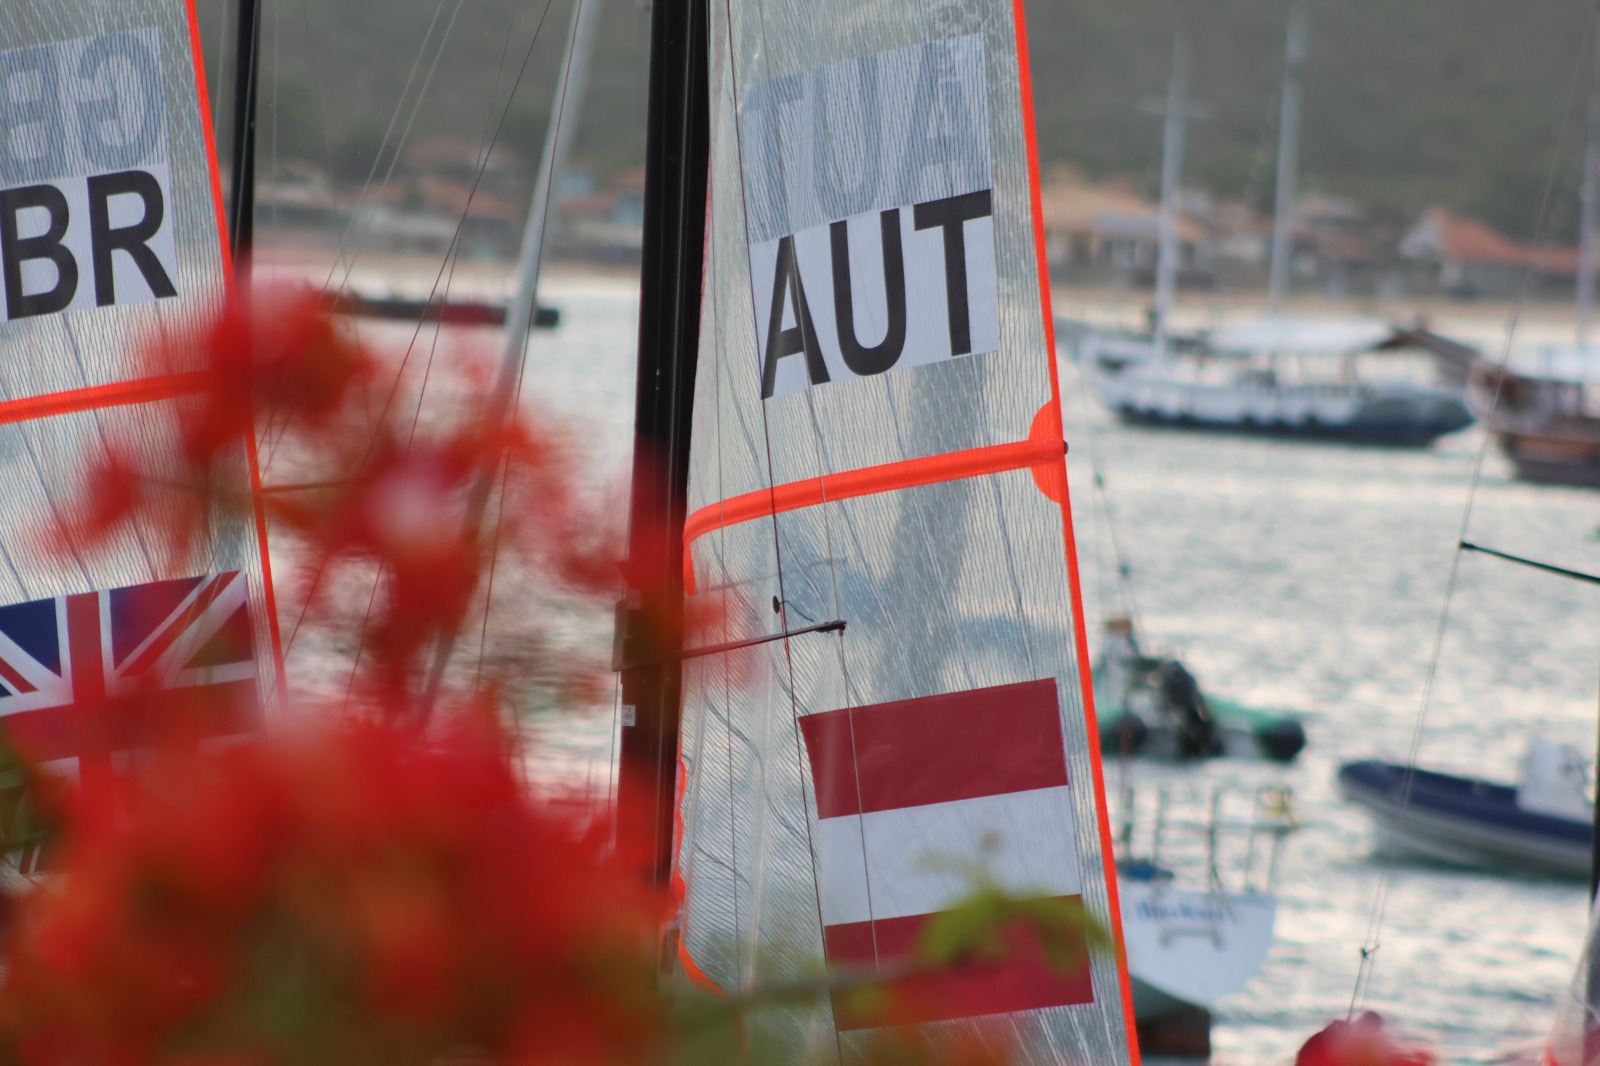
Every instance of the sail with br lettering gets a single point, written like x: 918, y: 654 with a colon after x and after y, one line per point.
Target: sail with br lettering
x: 111, y: 240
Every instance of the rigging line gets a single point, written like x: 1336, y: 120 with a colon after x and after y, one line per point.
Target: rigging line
x: 466, y: 209
x: 394, y: 389
x: 388, y: 133
x: 97, y: 417
x: 766, y: 432
x: 11, y: 565
x: 1124, y: 574
x: 394, y: 161
x: 222, y: 52
x: 55, y: 510
x: 499, y: 523
x: 1541, y: 224
x: 361, y: 637
x: 268, y: 441
x: 454, y: 255
x: 715, y: 288
x: 488, y: 590
x: 322, y: 121
x: 507, y: 396
x: 1549, y: 568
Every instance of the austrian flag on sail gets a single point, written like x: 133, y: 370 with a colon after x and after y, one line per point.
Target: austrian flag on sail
x: 918, y: 798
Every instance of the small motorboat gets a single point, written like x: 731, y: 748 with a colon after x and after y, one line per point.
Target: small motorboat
x: 1544, y: 824
x: 1152, y: 706
x: 1197, y: 927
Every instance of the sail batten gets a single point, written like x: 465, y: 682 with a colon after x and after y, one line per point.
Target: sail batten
x: 878, y: 440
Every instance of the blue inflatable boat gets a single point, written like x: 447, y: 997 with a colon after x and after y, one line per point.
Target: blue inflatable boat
x: 1465, y: 821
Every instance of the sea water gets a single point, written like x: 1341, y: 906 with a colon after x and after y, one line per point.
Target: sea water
x: 1297, y: 576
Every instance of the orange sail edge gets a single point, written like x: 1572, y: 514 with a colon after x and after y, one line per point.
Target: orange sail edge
x: 1051, y: 419
x: 208, y: 132
x: 101, y: 397
x: 258, y: 503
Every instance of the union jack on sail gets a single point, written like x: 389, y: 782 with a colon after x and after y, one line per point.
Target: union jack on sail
x: 88, y: 675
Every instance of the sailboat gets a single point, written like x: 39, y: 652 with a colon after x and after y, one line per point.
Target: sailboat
x: 115, y: 172
x: 890, y: 707
x: 1543, y: 406
x: 1282, y: 375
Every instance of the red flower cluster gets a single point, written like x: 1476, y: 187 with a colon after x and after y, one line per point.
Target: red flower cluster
x: 367, y: 497
x: 359, y: 895
x: 275, y: 361
x: 1363, y: 1042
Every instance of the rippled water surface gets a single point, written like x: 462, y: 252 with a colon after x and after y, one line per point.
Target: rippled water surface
x: 1309, y: 577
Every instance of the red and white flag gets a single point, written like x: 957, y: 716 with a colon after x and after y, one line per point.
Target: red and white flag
x: 916, y: 800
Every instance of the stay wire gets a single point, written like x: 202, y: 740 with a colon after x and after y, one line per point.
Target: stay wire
x: 460, y: 222
x: 772, y: 490
x: 558, y: 116
x: 1119, y: 557
x: 452, y: 259
x: 1377, y: 915
x: 388, y: 139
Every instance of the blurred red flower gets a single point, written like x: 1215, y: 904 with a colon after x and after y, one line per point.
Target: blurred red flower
x: 1366, y: 1041
x: 366, y: 889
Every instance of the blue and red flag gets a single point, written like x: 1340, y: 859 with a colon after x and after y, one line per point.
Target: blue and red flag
x: 89, y: 676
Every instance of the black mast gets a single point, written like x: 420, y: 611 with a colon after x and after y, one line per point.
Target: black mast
x: 649, y: 621
x: 242, y: 190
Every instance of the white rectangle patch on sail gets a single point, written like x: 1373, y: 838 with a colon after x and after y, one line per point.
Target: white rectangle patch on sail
x: 868, y: 193
x: 85, y: 190
x: 917, y: 860
x: 881, y: 291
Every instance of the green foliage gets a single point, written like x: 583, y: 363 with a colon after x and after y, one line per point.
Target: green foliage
x: 985, y: 924
x: 22, y: 823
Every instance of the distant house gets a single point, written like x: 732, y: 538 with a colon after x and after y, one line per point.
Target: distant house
x: 298, y: 198
x: 608, y: 224
x: 1333, y: 245
x: 1108, y: 232
x: 1468, y: 259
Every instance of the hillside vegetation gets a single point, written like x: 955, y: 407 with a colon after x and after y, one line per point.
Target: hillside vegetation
x: 1468, y: 103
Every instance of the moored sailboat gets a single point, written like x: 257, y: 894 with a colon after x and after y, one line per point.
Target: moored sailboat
x: 1543, y: 407
x: 1282, y: 375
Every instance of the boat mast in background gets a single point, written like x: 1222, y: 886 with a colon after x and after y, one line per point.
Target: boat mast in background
x: 1590, y: 192
x: 1167, y: 255
x: 1288, y: 154
x: 552, y: 164
x: 649, y: 632
x: 520, y: 312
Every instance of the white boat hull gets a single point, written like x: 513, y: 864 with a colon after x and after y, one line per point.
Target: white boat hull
x: 1224, y: 393
x: 1191, y: 948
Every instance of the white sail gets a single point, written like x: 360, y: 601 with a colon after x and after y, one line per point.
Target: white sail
x: 878, y: 440
x: 110, y: 238
x: 1575, y: 1037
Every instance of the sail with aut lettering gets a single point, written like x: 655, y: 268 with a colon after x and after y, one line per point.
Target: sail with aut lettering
x: 878, y: 441
x: 110, y: 240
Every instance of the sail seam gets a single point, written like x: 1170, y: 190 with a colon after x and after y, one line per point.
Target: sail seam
x: 864, y: 481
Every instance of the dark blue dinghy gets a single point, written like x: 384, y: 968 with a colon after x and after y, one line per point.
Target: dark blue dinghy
x: 1470, y: 822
